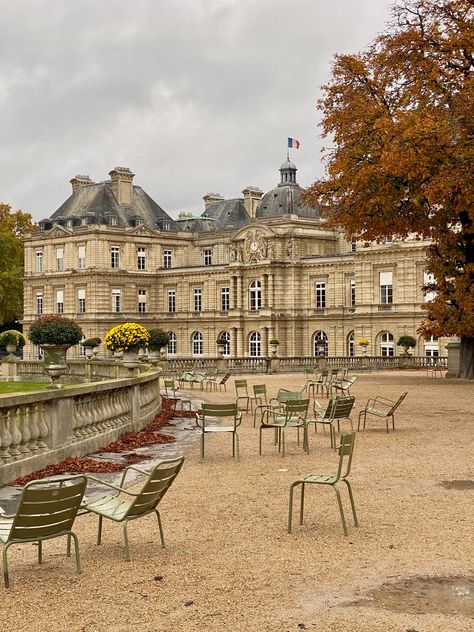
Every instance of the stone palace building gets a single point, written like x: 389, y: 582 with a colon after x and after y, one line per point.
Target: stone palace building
x: 252, y: 268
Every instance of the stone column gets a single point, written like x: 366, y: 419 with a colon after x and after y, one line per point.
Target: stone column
x: 454, y: 356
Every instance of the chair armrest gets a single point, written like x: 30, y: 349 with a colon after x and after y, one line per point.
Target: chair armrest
x: 238, y: 420
x: 111, y: 485
x: 199, y: 420
x: 5, y: 515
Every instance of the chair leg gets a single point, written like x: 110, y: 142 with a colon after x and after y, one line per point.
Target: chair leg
x: 290, y: 508
x: 282, y: 432
x: 202, y: 446
x: 40, y: 552
x: 260, y: 441
x: 68, y: 546
x: 341, y: 510
x: 160, y: 526
x: 5, y: 566
x: 351, y: 498
x: 237, y: 447
x: 125, y: 539
x: 76, y: 551
x: 302, y: 503
x: 99, y: 531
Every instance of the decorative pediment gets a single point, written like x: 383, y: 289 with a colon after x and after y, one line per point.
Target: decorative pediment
x: 252, y: 245
x: 57, y: 231
x: 142, y: 231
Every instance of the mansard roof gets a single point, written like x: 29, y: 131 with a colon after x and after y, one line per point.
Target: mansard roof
x: 227, y: 213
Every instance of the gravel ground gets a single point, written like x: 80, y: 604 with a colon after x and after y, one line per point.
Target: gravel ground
x: 230, y: 564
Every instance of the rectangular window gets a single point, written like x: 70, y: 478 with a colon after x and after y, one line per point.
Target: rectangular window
x: 386, y: 288
x: 171, y: 300
x: 353, y: 246
x: 60, y: 301
x: 320, y: 295
x: 81, y: 299
x: 167, y: 254
x: 197, y: 299
x: 115, y: 257
x: 172, y: 343
x: 225, y: 299
x: 39, y: 302
x: 81, y: 254
x: 353, y: 293
x: 39, y: 261
x: 116, y: 300
x: 59, y: 259
x: 428, y: 279
x: 141, y: 259
x: 207, y: 255
x: 142, y: 301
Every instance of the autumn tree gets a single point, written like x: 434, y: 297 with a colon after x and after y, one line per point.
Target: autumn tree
x: 400, y: 119
x: 13, y: 225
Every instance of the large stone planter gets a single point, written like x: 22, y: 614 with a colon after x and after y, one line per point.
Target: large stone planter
x: 55, y: 363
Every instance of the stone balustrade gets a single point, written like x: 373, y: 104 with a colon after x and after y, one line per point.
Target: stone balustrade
x: 44, y: 427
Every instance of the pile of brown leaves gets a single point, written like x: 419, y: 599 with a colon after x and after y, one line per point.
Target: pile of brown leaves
x: 129, y: 441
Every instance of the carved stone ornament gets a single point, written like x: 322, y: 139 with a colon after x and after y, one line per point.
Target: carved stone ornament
x: 255, y: 247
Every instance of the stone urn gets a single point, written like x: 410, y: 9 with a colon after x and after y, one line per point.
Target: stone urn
x: 154, y: 356
x: 55, y: 363
x: 95, y: 353
x: 88, y: 352
x: 130, y: 359
x: 10, y: 348
x: 363, y: 349
x: 273, y: 348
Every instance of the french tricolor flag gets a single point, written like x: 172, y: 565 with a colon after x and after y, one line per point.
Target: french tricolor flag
x: 293, y: 143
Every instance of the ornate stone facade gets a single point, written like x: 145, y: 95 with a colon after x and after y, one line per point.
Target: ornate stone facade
x: 254, y: 268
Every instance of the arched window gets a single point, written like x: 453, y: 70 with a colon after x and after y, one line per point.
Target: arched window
x: 172, y: 343
x: 351, y: 344
x: 255, y: 343
x: 386, y: 344
x: 320, y: 344
x: 255, y: 296
x: 197, y: 344
x: 225, y: 335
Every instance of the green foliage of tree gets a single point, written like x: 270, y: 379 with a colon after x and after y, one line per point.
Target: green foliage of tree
x: 13, y: 225
x: 400, y: 118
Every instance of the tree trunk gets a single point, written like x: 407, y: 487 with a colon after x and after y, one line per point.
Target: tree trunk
x: 466, y: 358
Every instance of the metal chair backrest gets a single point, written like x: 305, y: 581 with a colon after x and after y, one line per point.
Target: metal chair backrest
x: 220, y: 411
x: 346, y: 450
x: 47, y: 508
x: 339, y: 407
x: 170, y: 386
x: 297, y: 408
x: 155, y: 487
x: 241, y: 388
x: 284, y: 396
x: 397, y: 403
x: 260, y: 392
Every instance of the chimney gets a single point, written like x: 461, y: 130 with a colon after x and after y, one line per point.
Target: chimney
x: 122, y: 182
x: 80, y: 181
x: 209, y: 198
x: 252, y: 197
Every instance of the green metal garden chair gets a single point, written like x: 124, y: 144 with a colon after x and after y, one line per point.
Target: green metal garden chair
x: 343, y: 385
x: 47, y: 509
x: 338, y: 409
x: 119, y: 509
x: 293, y: 415
x: 346, y: 449
x: 381, y: 407
x: 241, y: 390
x: 211, y: 412
x: 258, y: 400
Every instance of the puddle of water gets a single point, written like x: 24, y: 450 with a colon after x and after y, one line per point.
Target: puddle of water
x: 462, y: 485
x: 424, y: 595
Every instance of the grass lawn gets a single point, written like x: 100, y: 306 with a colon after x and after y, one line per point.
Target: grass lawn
x: 21, y: 387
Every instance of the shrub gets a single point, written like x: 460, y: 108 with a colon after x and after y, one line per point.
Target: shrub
x: 406, y: 341
x: 274, y: 341
x: 12, y: 337
x: 91, y: 342
x: 127, y: 337
x: 52, y: 329
x: 158, y: 339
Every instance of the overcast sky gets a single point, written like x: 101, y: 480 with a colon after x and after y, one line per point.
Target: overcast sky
x: 194, y: 96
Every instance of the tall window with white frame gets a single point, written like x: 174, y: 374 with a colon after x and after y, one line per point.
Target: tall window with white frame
x: 320, y: 344
x: 255, y: 344
x: 39, y: 302
x: 60, y: 259
x: 197, y: 292
x: 142, y: 302
x: 428, y: 281
x: 255, y: 296
x: 225, y: 335
x: 171, y: 301
x: 225, y: 299
x: 59, y: 301
x: 116, y: 301
x: 386, y: 288
x: 431, y: 345
x: 81, y: 301
x: 39, y: 261
x: 167, y: 258
x: 197, y: 342
x: 141, y: 258
x: 172, y: 343
x: 82, y: 350
x: 320, y: 295
x: 115, y: 257
x: 81, y: 255
x: 351, y: 344
x: 353, y: 293
x: 207, y: 256
x: 386, y: 344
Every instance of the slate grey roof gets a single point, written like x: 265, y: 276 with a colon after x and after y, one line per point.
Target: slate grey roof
x: 284, y: 199
x: 97, y: 203
x: 228, y: 213
x: 196, y: 224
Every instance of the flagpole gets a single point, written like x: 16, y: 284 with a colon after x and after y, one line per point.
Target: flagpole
x: 287, y: 150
